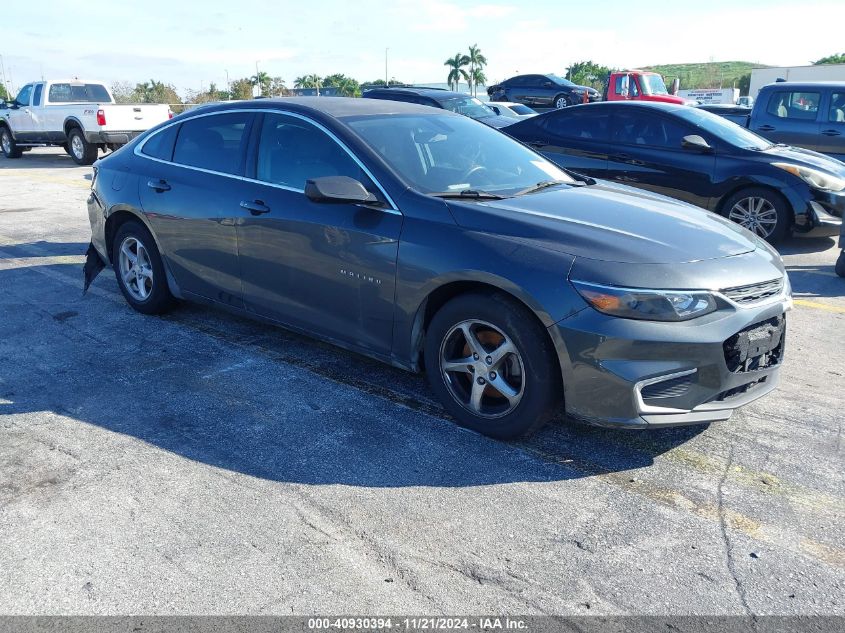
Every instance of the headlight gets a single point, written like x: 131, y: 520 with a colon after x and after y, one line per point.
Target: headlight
x: 814, y: 177
x: 646, y: 304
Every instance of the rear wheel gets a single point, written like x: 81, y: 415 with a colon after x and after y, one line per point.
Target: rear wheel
x: 81, y: 151
x: 139, y: 269
x: 7, y: 144
x: 840, y: 264
x: 492, y: 365
x: 761, y: 211
x: 561, y: 101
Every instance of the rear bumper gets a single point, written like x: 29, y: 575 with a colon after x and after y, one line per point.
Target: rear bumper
x: 626, y: 373
x: 111, y: 138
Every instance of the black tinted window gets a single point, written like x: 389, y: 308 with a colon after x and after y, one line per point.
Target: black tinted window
x: 213, y: 142
x: 78, y: 93
x: 160, y: 145
x: 291, y: 151
x: 36, y: 99
x: 642, y: 128
x: 517, y: 81
x: 579, y: 123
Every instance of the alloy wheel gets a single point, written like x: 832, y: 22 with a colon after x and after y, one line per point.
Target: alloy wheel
x: 755, y: 214
x: 77, y: 148
x: 6, y: 142
x: 561, y: 103
x: 482, y: 369
x: 136, y: 269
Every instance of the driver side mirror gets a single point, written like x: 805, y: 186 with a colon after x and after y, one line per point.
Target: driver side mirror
x: 694, y: 141
x: 337, y: 189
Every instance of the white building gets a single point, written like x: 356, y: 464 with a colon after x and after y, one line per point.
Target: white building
x: 823, y: 72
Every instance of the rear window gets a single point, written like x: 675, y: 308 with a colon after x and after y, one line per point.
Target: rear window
x: 78, y: 93
x: 794, y: 105
x: 160, y: 145
x: 214, y: 142
x: 521, y: 109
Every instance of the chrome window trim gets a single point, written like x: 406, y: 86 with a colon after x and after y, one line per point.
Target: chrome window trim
x: 140, y: 146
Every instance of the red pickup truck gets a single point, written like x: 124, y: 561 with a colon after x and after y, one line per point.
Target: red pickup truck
x: 638, y: 85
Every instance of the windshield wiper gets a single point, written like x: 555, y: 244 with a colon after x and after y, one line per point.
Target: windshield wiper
x: 543, y: 184
x: 469, y: 193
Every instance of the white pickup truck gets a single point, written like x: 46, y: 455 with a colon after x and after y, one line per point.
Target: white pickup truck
x: 80, y: 116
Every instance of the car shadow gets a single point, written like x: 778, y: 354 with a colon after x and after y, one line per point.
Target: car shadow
x: 250, y: 398
x: 816, y: 281
x: 803, y: 245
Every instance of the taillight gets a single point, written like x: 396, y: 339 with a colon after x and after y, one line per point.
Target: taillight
x: 101, y: 117
x: 169, y: 113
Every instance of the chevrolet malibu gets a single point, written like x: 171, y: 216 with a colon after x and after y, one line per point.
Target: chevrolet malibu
x: 432, y: 242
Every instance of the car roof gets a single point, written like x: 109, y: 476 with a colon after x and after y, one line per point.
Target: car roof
x: 649, y: 105
x: 803, y: 84
x: 336, y: 107
x: 423, y: 92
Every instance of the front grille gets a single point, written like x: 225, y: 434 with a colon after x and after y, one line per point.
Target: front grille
x: 671, y: 388
x: 759, y: 346
x: 754, y: 292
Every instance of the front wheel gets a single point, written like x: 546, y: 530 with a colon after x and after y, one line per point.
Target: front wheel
x: 81, y: 151
x: 492, y: 365
x: 139, y: 269
x: 761, y: 211
x: 7, y: 144
x: 561, y: 101
x: 840, y: 264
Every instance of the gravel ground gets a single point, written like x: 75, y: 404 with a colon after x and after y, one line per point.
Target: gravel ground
x: 200, y: 463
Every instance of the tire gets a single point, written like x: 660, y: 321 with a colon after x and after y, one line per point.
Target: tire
x: 772, y: 218
x: 81, y: 151
x: 148, y: 292
x: 561, y: 101
x: 8, y: 146
x: 530, y: 372
x: 66, y: 147
x: 840, y: 264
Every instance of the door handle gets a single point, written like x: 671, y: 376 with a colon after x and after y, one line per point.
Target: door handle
x: 255, y: 207
x: 831, y: 133
x: 766, y: 128
x: 158, y: 185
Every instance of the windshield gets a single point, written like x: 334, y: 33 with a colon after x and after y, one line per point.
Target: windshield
x: 653, y: 85
x: 468, y: 106
x: 560, y: 80
x: 726, y: 130
x: 443, y: 153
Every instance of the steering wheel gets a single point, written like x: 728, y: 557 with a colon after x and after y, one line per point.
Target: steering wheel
x: 475, y: 169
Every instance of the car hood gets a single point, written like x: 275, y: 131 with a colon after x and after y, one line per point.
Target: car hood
x: 608, y: 222
x: 806, y: 157
x: 497, y: 121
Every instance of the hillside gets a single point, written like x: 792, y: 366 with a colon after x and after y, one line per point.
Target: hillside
x: 705, y: 74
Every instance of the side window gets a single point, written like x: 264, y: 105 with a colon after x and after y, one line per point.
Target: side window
x: 640, y: 128
x: 36, y: 99
x: 214, y: 142
x: 291, y: 151
x: 579, y: 123
x: 619, y: 85
x: 517, y: 82
x: 837, y: 108
x: 160, y: 145
x: 24, y: 95
x: 794, y: 105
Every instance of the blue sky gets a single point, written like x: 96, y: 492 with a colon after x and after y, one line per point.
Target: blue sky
x: 190, y: 43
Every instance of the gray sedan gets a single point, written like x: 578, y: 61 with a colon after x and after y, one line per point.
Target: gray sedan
x: 433, y: 242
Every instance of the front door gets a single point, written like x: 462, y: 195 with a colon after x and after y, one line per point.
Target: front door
x: 20, y: 116
x: 324, y: 268
x: 191, y: 188
x: 646, y: 151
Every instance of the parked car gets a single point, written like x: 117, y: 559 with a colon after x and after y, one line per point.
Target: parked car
x: 511, y: 110
x: 639, y: 85
x: 427, y: 240
x: 746, y: 101
x: 80, y: 116
x: 698, y: 157
x: 737, y: 114
x: 806, y: 114
x: 547, y: 91
x: 443, y: 99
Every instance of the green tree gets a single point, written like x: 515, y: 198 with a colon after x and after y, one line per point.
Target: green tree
x: 122, y: 91
x: 477, y: 62
x: 588, y: 73
x: 456, y: 70
x: 744, y: 84
x: 837, y: 58
x: 153, y: 91
x: 263, y: 81
x: 4, y: 96
x: 278, y: 88
x: 478, y: 78
x: 346, y: 86
x: 380, y: 82
x: 309, y: 81
x: 241, y: 89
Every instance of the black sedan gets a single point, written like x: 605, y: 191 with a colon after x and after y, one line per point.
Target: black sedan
x: 545, y: 91
x: 428, y: 240
x: 699, y: 157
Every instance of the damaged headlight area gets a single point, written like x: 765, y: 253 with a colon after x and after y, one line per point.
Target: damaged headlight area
x: 646, y: 304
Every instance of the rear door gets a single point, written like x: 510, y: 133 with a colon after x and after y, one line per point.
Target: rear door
x: 324, y: 268
x: 646, y: 151
x: 191, y: 187
x: 832, y: 128
x: 789, y: 117
x: 577, y: 139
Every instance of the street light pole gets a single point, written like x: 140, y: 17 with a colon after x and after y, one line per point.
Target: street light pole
x: 258, y: 79
x: 228, y: 87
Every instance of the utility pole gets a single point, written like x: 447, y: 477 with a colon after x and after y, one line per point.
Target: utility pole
x: 386, y: 80
x: 228, y: 87
x: 258, y: 79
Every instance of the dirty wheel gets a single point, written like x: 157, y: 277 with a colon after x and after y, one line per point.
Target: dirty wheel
x: 7, y: 144
x: 81, y: 151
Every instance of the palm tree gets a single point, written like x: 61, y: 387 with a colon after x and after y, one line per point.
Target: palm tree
x: 315, y: 81
x: 477, y: 61
x: 262, y: 80
x: 478, y: 78
x: 456, y: 69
